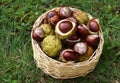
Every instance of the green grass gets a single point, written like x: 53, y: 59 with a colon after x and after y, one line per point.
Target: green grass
x: 16, y: 58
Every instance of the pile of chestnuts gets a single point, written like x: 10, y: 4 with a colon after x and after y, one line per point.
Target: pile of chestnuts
x: 67, y: 35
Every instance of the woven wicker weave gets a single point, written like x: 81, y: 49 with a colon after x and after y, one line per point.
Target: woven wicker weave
x: 61, y: 70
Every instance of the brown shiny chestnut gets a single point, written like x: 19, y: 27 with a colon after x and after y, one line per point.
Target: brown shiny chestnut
x: 92, y: 40
x: 38, y: 34
x: 68, y: 55
x: 52, y: 17
x: 65, y: 26
x: 82, y: 30
x: 81, y: 48
x: 65, y: 12
x: 93, y: 25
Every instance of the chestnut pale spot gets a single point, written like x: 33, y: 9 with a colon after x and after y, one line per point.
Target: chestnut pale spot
x: 65, y: 26
x: 81, y: 48
x: 65, y: 12
x: 38, y: 34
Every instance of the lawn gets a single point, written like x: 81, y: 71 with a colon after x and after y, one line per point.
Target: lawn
x: 16, y: 57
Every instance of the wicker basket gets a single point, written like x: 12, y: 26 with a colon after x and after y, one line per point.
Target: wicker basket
x: 61, y: 70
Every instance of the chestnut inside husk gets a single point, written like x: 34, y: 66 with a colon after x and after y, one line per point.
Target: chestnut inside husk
x: 65, y: 28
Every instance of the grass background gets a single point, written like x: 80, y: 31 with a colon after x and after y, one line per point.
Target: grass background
x: 16, y: 59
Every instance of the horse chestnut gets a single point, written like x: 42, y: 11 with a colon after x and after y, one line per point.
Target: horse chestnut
x: 52, y: 17
x: 68, y: 55
x: 82, y: 30
x: 92, y: 40
x: 38, y: 34
x: 65, y: 12
x: 81, y: 48
x: 93, y: 25
x: 65, y: 26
